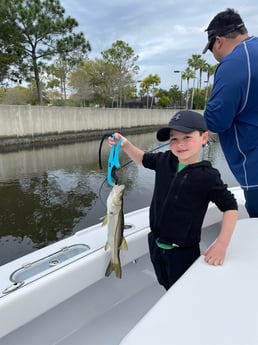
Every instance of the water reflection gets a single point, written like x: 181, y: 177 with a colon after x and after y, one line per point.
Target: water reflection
x: 13, y: 165
x: 214, y: 154
x: 44, y: 208
x: 48, y: 194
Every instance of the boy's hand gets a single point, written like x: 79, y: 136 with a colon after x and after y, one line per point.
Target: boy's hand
x: 215, y: 255
x: 132, y: 151
x: 118, y: 136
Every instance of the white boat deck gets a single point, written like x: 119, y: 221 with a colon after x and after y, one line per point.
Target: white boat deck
x: 101, y: 314
x: 209, y: 305
x: 73, y: 303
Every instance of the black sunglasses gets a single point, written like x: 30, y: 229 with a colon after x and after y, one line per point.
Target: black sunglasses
x: 212, y: 43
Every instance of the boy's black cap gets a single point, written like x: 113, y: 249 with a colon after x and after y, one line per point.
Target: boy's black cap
x: 222, y: 24
x: 185, y: 121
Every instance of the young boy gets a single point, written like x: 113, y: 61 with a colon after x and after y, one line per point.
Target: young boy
x: 184, y: 186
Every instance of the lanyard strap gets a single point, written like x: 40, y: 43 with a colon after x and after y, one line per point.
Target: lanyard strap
x: 113, y: 162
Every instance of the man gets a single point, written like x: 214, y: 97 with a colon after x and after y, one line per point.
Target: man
x: 232, y: 110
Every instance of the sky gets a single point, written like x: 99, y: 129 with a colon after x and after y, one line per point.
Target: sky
x: 164, y: 34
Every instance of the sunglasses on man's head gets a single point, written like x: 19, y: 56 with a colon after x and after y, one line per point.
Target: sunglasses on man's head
x: 212, y: 43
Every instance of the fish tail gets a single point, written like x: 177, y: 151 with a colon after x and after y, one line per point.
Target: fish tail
x: 116, y: 267
x: 123, y: 244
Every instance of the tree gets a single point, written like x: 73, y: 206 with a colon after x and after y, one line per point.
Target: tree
x: 199, y: 99
x: 149, y: 86
x: 17, y: 95
x: 80, y: 81
x: 163, y: 98
x: 210, y: 71
x: 95, y: 82
x: 9, y: 52
x: 123, y: 57
x: 197, y: 63
x: 175, y: 95
x: 104, y: 76
x: 44, y: 33
x: 58, y: 72
x: 164, y: 101
x: 188, y: 74
x: 2, y: 94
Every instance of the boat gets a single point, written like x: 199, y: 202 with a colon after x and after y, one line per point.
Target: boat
x: 59, y: 294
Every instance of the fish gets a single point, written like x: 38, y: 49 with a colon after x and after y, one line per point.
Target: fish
x: 115, y: 224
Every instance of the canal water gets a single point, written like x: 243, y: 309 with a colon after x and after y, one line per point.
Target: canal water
x: 47, y: 194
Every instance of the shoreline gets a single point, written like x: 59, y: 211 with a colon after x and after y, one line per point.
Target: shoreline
x: 14, y: 144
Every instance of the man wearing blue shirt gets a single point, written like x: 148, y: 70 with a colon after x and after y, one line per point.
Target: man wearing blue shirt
x: 232, y: 110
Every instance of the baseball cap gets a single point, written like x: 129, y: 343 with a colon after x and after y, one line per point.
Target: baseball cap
x: 222, y: 24
x: 185, y: 121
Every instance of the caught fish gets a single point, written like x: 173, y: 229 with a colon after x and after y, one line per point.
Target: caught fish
x: 115, y: 223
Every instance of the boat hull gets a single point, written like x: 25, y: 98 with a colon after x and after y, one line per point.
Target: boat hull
x: 73, y: 294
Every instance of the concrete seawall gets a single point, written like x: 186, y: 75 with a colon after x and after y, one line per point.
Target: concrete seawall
x: 27, y: 125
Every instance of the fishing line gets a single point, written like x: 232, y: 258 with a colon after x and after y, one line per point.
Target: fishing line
x: 106, y: 135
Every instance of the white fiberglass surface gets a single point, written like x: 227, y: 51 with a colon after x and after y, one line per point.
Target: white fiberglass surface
x: 101, y: 314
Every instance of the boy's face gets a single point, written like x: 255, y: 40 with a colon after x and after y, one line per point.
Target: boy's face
x: 187, y: 146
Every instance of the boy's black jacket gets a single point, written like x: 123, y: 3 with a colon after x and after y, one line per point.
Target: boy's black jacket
x: 180, y: 199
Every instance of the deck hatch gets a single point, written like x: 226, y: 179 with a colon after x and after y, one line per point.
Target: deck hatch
x: 54, y: 260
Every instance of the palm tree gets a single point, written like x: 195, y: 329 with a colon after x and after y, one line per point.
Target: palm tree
x: 210, y: 71
x: 197, y: 63
x: 187, y: 75
x: 149, y: 85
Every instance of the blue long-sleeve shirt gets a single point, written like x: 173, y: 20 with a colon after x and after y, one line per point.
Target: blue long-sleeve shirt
x: 232, y: 111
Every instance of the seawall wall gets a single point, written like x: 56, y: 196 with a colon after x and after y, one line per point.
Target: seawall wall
x: 26, y: 125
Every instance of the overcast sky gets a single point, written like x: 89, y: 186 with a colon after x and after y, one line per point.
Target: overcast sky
x: 163, y: 33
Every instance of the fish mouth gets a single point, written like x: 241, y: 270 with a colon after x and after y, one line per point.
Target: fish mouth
x: 119, y: 188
